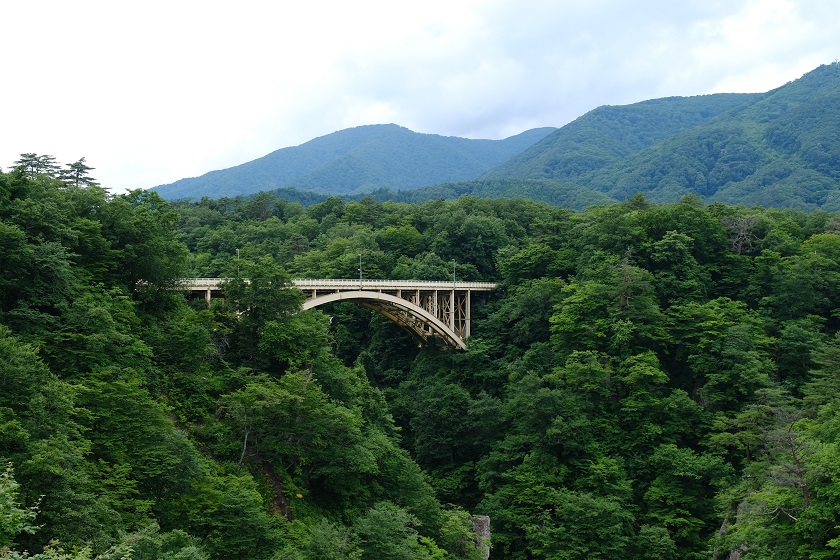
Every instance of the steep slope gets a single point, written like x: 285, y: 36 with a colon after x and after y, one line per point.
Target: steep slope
x: 608, y: 134
x: 782, y: 150
x: 779, y: 149
x: 357, y: 160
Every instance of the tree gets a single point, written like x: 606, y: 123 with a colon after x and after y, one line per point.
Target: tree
x: 137, y: 447
x: 823, y: 386
x: 291, y: 422
x: 611, y: 308
x: 388, y: 531
x: 458, y: 536
x: 719, y: 352
x: 14, y: 184
x: 77, y: 175
x: 328, y: 541
x: 402, y: 240
x: 680, y: 497
x: 145, y: 255
x: 576, y: 525
x: 263, y: 307
x: 296, y: 341
x: 678, y: 277
x: 33, y: 165
x: 14, y: 519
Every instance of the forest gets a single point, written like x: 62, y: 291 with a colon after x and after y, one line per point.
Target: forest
x: 649, y: 381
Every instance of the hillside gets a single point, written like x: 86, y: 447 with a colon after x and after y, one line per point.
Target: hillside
x: 611, y: 133
x: 779, y: 149
x: 357, y: 160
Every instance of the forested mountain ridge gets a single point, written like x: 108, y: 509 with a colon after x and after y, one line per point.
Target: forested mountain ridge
x: 358, y: 159
x: 650, y: 381
x: 609, y: 134
x: 778, y: 149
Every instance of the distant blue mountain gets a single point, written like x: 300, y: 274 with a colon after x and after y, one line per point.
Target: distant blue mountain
x: 358, y: 160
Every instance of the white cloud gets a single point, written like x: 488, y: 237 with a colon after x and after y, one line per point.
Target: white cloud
x: 156, y: 91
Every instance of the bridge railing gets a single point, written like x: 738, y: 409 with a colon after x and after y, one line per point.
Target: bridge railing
x: 391, y: 284
x: 368, y: 284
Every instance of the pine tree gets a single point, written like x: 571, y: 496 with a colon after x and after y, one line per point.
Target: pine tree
x: 33, y: 165
x: 76, y: 174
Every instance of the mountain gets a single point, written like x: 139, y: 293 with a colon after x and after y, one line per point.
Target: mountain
x: 357, y: 160
x: 777, y: 149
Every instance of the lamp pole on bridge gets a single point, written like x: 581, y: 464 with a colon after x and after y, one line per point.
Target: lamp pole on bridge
x: 452, y: 300
x: 360, y: 271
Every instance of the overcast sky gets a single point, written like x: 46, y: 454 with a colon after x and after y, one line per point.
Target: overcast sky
x: 154, y: 91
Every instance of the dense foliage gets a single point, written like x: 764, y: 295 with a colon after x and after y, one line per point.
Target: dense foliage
x: 564, y: 195
x: 649, y: 381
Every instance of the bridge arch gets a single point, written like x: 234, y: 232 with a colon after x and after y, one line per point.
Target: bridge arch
x: 412, y: 317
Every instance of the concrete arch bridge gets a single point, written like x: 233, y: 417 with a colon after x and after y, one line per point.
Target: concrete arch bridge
x: 430, y: 310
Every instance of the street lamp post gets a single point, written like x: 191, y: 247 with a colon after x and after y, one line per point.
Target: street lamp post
x: 360, y: 271
x: 452, y: 301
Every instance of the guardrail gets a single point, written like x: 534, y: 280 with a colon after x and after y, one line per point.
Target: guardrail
x: 308, y: 283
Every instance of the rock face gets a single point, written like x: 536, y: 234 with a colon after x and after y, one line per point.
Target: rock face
x: 481, y: 527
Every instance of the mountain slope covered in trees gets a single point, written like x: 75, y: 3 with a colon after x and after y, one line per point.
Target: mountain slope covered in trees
x: 609, y: 134
x: 358, y: 159
x: 778, y: 149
